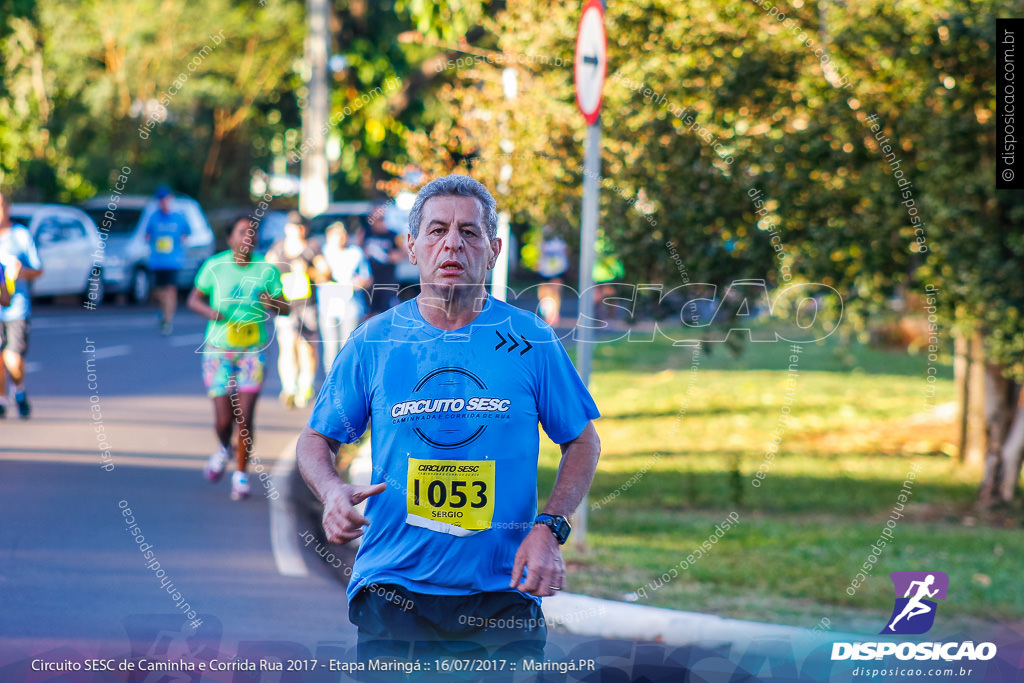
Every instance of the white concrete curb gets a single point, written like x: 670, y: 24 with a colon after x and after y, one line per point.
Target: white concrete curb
x: 585, y: 615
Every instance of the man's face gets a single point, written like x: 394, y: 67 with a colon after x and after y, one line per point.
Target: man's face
x: 242, y: 238
x: 5, y: 210
x: 295, y: 231
x: 452, y: 247
x: 165, y: 204
x: 337, y: 238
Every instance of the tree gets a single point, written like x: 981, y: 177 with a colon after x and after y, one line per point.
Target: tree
x: 928, y: 75
x: 387, y: 83
x: 27, y: 155
x: 823, y: 111
x: 117, y: 89
x: 159, y: 87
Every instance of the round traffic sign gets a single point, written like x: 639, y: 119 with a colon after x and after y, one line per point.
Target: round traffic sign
x: 591, y: 63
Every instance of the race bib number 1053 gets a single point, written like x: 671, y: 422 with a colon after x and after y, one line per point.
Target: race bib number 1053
x: 450, y: 496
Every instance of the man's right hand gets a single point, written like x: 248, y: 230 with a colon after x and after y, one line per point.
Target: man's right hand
x: 342, y: 522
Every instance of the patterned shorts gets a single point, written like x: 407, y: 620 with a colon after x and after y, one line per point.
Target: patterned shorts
x: 225, y: 371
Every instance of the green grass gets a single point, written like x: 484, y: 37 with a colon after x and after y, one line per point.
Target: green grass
x: 681, y: 448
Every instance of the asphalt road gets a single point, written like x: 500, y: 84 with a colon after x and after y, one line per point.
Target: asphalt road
x: 72, y: 573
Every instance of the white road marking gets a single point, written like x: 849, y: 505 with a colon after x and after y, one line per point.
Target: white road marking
x: 90, y: 322
x: 283, y: 530
x: 113, y: 351
x: 188, y: 340
x: 360, y: 472
x: 149, y: 461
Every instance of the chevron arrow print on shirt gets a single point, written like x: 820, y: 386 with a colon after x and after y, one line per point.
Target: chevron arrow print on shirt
x: 513, y: 344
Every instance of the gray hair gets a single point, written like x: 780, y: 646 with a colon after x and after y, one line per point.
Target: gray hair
x: 455, y: 186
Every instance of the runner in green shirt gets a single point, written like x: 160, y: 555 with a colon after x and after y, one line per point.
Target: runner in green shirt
x: 238, y: 293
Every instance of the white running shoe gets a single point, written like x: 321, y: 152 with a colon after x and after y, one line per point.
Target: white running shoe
x: 214, y: 469
x: 239, y: 486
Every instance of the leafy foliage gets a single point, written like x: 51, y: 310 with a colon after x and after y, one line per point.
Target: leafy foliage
x: 87, y: 76
x: 788, y: 100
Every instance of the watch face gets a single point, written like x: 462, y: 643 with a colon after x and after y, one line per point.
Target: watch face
x: 558, y: 525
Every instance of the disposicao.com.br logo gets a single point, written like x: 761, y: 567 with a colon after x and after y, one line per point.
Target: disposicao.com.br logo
x: 913, y: 613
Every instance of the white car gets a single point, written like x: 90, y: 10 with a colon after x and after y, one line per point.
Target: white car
x: 127, y: 251
x: 69, y: 246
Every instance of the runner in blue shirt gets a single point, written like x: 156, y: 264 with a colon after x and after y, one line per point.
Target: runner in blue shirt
x: 453, y: 385
x: 166, y: 232
x: 21, y: 265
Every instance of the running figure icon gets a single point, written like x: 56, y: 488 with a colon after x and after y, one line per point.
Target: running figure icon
x: 914, y: 606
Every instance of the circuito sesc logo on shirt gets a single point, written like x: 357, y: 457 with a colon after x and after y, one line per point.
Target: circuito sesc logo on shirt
x: 450, y: 407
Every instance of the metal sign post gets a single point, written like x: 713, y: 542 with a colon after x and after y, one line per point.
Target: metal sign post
x: 590, y: 69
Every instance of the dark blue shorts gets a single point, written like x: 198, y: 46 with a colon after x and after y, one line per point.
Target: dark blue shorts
x: 165, y: 278
x: 395, y: 622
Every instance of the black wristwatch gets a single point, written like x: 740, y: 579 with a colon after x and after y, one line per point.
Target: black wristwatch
x: 559, y: 526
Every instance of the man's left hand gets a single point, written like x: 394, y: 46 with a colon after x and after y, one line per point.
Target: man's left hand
x: 540, y: 555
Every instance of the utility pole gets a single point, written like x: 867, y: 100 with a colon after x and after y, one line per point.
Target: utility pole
x: 313, y: 190
x: 499, y: 276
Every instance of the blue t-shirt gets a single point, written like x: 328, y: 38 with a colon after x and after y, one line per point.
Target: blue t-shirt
x: 166, y: 233
x: 455, y: 438
x: 16, y: 244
